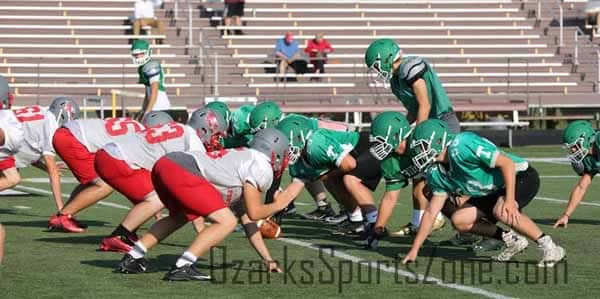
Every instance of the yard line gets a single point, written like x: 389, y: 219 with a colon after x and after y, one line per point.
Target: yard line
x: 436, y: 281
x: 338, y: 254
x: 67, y: 180
x: 595, y: 204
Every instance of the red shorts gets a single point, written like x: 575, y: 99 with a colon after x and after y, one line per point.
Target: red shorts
x: 183, y: 192
x: 75, y: 155
x: 135, y: 184
x: 7, y: 163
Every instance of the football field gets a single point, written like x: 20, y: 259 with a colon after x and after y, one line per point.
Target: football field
x: 43, y: 264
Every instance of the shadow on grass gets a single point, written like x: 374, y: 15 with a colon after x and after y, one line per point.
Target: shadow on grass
x: 551, y: 221
x: 44, y: 224
x: 73, y: 239
x: 17, y: 212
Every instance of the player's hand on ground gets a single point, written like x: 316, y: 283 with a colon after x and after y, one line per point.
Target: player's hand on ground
x: 510, y: 210
x: 562, y: 221
x: 410, y: 257
x: 273, y: 267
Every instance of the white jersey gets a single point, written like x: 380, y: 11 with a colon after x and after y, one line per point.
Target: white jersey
x: 13, y: 134
x: 96, y: 133
x: 143, y: 149
x: 38, y: 128
x: 228, y: 170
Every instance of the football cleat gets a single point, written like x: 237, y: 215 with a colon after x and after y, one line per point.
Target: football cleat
x: 337, y: 219
x: 407, y: 230
x: 350, y: 228
x: 513, y: 244
x: 552, y: 252
x: 115, y: 243
x: 130, y: 265
x: 373, y: 235
x: 319, y: 213
x: 487, y: 244
x: 186, y: 273
x: 65, y: 223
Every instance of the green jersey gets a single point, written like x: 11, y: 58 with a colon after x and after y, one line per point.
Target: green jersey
x: 327, y: 149
x: 397, y: 170
x: 239, y: 128
x: 411, y: 69
x: 151, y: 72
x: 471, y: 168
x: 591, y: 162
x: 312, y: 122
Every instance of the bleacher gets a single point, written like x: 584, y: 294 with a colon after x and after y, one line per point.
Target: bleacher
x: 486, y: 51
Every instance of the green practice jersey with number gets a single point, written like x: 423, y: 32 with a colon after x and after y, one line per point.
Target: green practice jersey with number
x: 471, y: 168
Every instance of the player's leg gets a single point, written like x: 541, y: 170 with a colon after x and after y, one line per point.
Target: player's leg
x: 2, y: 238
x: 10, y: 177
x: 319, y: 194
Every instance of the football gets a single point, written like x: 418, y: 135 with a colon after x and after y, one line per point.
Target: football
x: 269, y: 229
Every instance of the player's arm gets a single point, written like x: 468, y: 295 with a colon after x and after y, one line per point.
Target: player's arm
x: 256, y: 209
x: 420, y: 89
x: 289, y: 193
x: 258, y: 243
x: 386, y: 207
x: 434, y: 207
x: 510, y: 208
x: 575, y: 198
x: 54, y: 176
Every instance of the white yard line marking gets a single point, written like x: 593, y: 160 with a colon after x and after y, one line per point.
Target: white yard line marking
x: 433, y: 280
x: 22, y: 207
x: 595, y: 204
x: 67, y: 180
x: 560, y: 161
x: 338, y: 254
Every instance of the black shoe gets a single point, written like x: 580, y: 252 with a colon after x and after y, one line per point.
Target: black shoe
x: 349, y: 228
x: 320, y: 213
x: 186, y: 273
x: 130, y: 265
x: 290, y: 209
x: 371, y: 236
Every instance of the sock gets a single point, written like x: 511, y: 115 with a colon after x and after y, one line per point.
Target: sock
x: 123, y: 232
x: 538, y: 239
x: 187, y: 258
x: 138, y: 251
x: 416, y: 217
x: 356, y: 215
x: 370, y: 213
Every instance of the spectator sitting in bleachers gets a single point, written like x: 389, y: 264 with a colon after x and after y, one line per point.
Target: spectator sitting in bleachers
x: 234, y: 9
x: 287, y: 53
x: 317, y: 49
x: 144, y: 16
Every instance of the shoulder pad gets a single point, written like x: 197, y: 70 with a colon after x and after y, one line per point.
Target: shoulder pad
x: 152, y: 68
x: 413, y: 69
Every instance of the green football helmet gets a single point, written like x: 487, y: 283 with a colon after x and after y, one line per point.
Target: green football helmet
x: 265, y: 115
x: 240, y: 119
x: 428, y: 140
x: 221, y: 108
x: 380, y: 57
x: 387, y: 132
x: 140, y: 46
x: 298, y: 130
x: 578, y: 138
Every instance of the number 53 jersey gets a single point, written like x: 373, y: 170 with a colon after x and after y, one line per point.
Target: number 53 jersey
x: 96, y: 133
x: 144, y: 148
x: 471, y: 168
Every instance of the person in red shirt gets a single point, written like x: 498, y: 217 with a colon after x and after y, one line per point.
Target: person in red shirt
x: 317, y: 49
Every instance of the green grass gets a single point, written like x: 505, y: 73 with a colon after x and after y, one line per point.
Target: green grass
x: 42, y: 264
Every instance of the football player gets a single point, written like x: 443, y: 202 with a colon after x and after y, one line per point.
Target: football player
x: 152, y: 76
x: 39, y: 126
x: 239, y: 134
x: 77, y: 142
x: 218, y: 185
x: 416, y: 84
x: 581, y: 141
x: 497, y: 187
x: 125, y: 165
x: 326, y: 155
x: 11, y: 137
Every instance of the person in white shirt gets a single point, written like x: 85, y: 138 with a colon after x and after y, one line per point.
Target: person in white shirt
x: 144, y: 16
